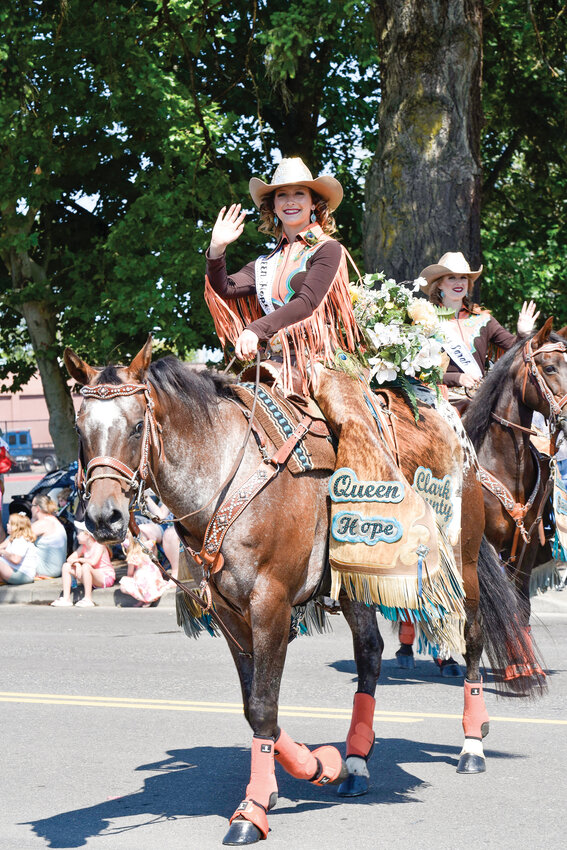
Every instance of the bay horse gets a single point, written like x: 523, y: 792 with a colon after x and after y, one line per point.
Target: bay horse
x: 180, y: 430
x: 531, y: 377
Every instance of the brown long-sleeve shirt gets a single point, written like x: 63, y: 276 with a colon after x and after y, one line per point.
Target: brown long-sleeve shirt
x: 490, y: 332
x: 309, y: 287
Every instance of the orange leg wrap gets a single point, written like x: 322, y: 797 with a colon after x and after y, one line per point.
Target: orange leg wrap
x: 323, y: 765
x: 360, y: 736
x: 297, y: 759
x: 475, y: 715
x: 262, y: 790
x: 407, y: 633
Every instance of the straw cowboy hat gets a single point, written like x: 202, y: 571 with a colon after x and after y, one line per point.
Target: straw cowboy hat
x: 291, y: 172
x: 450, y: 263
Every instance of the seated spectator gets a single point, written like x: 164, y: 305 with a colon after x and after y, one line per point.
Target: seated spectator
x: 164, y: 534
x: 19, y: 559
x: 144, y: 580
x: 51, y: 537
x: 90, y: 564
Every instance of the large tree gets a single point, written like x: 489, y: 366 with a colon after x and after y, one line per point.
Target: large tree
x: 423, y: 187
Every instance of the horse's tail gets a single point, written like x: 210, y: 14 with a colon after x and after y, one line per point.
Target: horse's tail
x: 507, y: 642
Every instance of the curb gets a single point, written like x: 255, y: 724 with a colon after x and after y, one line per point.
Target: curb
x: 45, y: 591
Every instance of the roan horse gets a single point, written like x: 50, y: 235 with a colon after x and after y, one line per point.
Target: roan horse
x: 531, y: 376
x: 181, y: 430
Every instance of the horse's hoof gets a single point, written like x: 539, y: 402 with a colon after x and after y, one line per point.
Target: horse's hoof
x: 405, y: 659
x: 242, y: 832
x: 450, y: 670
x: 353, y: 786
x: 471, y: 763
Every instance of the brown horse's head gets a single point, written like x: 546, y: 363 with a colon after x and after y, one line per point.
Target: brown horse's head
x: 547, y: 389
x: 112, y: 428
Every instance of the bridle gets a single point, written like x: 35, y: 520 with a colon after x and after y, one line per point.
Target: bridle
x: 133, y: 479
x: 531, y: 370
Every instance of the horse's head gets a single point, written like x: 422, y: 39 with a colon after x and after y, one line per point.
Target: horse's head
x: 118, y: 438
x: 544, y: 380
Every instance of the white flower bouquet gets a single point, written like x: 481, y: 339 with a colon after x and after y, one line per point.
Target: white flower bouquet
x: 403, y: 333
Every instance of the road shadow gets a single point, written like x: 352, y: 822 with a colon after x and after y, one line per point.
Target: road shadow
x: 426, y: 671
x: 205, y: 781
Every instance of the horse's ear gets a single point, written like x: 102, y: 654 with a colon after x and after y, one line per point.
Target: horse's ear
x: 140, y: 364
x: 77, y: 368
x: 563, y: 332
x: 543, y: 334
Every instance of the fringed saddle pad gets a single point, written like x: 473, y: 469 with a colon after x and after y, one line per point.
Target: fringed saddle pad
x: 278, y: 418
x: 387, y: 546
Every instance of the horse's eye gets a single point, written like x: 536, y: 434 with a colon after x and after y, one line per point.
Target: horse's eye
x: 137, y: 430
x: 549, y: 370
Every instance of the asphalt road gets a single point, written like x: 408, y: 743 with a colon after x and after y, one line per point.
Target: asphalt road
x: 119, y: 732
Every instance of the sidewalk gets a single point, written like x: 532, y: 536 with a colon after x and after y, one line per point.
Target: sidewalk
x: 44, y: 591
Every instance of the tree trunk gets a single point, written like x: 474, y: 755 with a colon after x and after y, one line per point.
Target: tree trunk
x: 423, y: 187
x: 41, y: 323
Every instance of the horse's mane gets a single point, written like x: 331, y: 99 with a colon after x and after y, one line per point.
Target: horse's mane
x: 478, y: 415
x: 197, y: 388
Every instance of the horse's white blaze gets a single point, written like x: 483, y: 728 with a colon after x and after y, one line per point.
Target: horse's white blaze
x: 102, y: 415
x: 357, y: 766
x: 473, y: 747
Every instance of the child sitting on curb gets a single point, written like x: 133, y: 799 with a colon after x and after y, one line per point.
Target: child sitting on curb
x: 144, y: 580
x: 90, y: 564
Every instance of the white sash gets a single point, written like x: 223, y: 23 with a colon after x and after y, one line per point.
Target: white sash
x: 265, y: 272
x: 459, y: 352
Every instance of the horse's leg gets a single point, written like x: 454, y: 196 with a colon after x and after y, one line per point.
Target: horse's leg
x: 368, y: 647
x: 259, y: 669
x: 260, y: 679
x: 475, y: 715
x: 405, y: 653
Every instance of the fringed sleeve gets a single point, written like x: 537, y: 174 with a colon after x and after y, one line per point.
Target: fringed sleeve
x: 332, y: 325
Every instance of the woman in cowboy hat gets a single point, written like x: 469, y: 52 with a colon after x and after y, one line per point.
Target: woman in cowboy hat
x: 300, y: 286
x: 470, y: 330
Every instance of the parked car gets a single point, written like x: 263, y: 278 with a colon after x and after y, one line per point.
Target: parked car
x: 25, y: 454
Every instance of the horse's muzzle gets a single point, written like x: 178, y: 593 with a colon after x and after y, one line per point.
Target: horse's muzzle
x: 107, y: 522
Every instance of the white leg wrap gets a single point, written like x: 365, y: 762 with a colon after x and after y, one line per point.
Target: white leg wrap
x: 473, y: 746
x: 357, y: 766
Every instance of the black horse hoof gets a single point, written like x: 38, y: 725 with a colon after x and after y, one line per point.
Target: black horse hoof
x: 449, y: 668
x: 404, y: 657
x: 353, y: 786
x: 242, y: 832
x: 470, y: 763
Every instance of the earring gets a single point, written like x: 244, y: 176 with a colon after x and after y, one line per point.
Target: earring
x: 441, y: 294
x: 276, y: 221
x: 313, y: 217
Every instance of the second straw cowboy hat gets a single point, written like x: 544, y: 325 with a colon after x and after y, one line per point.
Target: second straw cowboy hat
x: 450, y: 263
x: 293, y: 171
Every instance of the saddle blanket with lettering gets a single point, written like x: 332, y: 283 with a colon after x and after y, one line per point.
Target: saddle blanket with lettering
x: 388, y: 542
